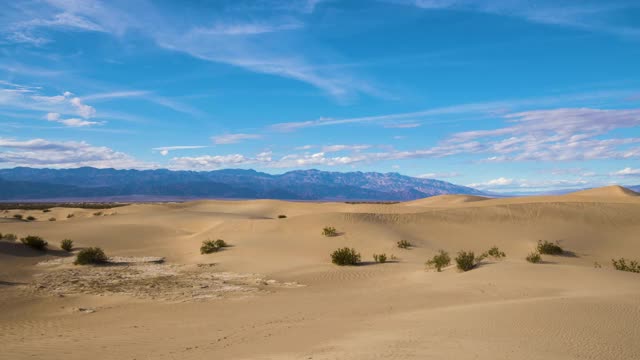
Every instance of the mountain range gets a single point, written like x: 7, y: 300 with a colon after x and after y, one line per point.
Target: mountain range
x: 91, y: 183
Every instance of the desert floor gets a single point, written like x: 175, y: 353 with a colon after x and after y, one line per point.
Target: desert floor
x: 274, y: 294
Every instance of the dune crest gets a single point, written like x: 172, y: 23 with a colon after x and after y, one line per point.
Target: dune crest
x: 607, y: 191
x: 445, y: 200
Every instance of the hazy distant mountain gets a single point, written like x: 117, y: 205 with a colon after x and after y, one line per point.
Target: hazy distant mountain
x: 29, y: 183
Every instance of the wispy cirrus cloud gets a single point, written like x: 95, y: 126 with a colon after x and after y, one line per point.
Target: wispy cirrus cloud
x: 233, y: 138
x: 589, y: 15
x: 269, y: 46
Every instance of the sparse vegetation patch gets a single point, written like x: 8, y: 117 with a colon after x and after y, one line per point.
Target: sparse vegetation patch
x: 209, y: 246
x: 345, y: 256
x: 9, y: 237
x: 91, y: 256
x: 622, y: 265
x: 34, y: 242
x: 221, y: 243
x: 282, y: 216
x: 495, y: 253
x: 467, y: 260
x: 404, y: 244
x: 380, y: 258
x: 66, y: 245
x: 18, y: 216
x: 442, y: 259
x: 329, y: 231
x: 534, y: 257
x: 31, y: 218
x: 549, y: 248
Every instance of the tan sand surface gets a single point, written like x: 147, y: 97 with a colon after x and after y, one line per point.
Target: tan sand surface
x: 274, y: 294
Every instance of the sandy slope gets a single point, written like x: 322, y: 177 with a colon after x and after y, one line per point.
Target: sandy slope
x: 275, y: 295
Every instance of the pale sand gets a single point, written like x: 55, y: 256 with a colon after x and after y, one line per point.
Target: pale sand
x: 275, y: 295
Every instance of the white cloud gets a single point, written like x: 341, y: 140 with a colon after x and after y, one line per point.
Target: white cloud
x: 83, y: 110
x: 233, y: 138
x: 336, y: 148
x: 507, y: 184
x: 439, y: 175
x: 627, y: 172
x: 62, y: 154
x: 164, y: 150
x: 71, y: 122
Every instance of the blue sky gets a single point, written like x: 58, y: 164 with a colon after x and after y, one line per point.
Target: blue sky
x: 507, y: 96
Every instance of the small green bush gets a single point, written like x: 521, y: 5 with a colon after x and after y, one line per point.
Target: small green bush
x: 52, y: 219
x: 31, y: 218
x: 69, y: 216
x: 18, y: 216
x: 282, y: 216
x: 329, y: 231
x: 467, y: 260
x: 10, y: 237
x: 92, y: 255
x: 221, y: 243
x: 495, y: 253
x: 404, y: 244
x: 46, y: 210
x: 439, y: 261
x: 66, y: 245
x: 534, y: 257
x: 622, y: 265
x: 208, y: 247
x: 380, y: 258
x: 345, y: 256
x: 34, y: 242
x: 549, y: 248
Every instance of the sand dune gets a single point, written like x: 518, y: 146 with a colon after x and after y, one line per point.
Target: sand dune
x: 275, y: 295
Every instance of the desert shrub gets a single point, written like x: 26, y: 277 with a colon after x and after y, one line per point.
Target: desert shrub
x: 92, y: 255
x: 495, y: 253
x: 282, y: 216
x: 622, y: 265
x: 220, y: 243
x: 404, y: 244
x: 380, y: 258
x: 439, y: 260
x: 66, y: 245
x: 46, y: 210
x: 345, y: 256
x: 467, y: 260
x: 9, y: 237
x: 329, y: 231
x: 18, y: 216
x: 208, y: 247
x: 31, y: 218
x: 549, y: 248
x: 34, y: 242
x: 52, y: 219
x: 69, y: 216
x: 99, y: 213
x: 534, y: 257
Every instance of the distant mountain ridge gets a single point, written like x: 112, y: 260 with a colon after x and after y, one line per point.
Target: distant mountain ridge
x: 31, y: 184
